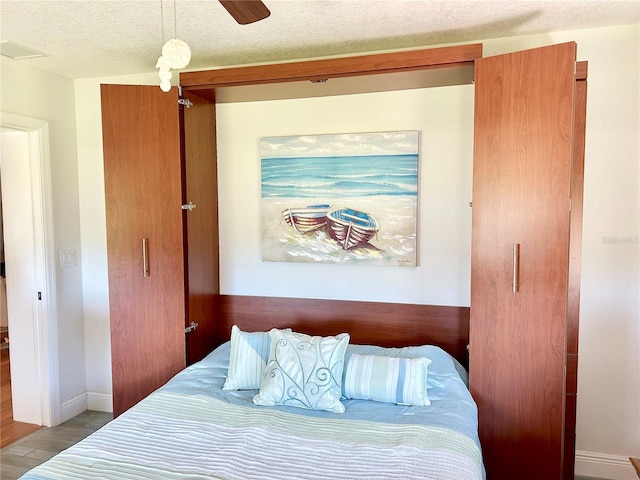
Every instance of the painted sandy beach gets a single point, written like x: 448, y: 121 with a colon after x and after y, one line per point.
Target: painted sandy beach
x: 394, y: 243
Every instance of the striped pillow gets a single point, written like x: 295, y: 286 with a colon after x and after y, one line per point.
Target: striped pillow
x: 247, y: 359
x: 387, y: 379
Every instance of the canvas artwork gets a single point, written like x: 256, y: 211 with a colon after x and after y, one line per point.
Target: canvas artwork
x: 340, y: 198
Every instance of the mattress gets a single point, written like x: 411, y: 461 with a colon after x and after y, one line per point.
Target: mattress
x: 192, y: 429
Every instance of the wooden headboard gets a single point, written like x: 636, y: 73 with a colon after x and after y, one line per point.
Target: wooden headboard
x: 373, y: 323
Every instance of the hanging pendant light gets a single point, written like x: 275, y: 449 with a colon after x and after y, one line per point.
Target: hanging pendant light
x: 176, y: 54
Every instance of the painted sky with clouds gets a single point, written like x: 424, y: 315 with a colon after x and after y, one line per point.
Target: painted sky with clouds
x: 344, y: 144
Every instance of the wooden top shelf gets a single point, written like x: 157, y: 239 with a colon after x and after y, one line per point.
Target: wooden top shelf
x: 410, y: 69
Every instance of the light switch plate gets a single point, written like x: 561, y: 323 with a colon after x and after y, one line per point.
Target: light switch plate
x: 67, y: 258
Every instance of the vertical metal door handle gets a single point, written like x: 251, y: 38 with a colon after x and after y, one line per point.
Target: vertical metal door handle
x: 145, y: 257
x: 516, y: 268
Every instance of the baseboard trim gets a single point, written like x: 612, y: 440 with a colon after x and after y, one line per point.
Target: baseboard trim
x: 73, y: 407
x: 603, y: 465
x: 99, y: 402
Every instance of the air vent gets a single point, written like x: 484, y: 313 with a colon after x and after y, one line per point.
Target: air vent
x: 19, y: 52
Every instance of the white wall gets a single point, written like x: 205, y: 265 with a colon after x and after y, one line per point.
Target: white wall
x: 444, y: 116
x: 609, y: 370
x: 33, y: 93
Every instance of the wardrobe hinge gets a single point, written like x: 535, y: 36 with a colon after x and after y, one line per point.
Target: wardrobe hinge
x: 191, y: 327
x: 185, y: 102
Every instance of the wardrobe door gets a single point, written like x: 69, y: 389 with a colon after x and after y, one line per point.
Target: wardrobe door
x: 519, y: 271
x: 201, y: 224
x: 141, y: 142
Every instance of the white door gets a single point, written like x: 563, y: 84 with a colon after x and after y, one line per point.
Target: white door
x: 30, y: 266
x: 20, y: 268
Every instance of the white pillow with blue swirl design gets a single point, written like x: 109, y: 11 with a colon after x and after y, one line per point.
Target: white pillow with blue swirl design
x: 304, y: 371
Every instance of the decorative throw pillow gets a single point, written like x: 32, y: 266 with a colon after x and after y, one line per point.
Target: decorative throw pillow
x: 387, y: 379
x: 304, y: 371
x: 247, y: 359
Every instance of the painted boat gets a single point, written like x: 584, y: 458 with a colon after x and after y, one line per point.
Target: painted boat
x: 351, y: 228
x: 306, y: 219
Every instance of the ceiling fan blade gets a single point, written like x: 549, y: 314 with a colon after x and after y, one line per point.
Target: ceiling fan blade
x: 246, y: 11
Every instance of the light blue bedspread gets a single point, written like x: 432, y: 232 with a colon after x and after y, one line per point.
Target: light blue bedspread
x: 192, y: 429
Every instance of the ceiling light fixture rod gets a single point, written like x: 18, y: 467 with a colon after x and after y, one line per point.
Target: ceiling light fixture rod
x: 175, y: 21
x: 162, y: 20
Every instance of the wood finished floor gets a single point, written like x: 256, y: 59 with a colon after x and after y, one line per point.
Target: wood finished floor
x: 10, y: 431
x: 19, y: 457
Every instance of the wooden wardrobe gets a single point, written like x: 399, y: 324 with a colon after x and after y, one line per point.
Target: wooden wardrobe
x: 527, y: 210
x: 529, y: 137
x: 162, y: 258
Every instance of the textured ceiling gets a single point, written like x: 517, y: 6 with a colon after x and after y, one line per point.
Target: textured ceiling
x: 88, y: 38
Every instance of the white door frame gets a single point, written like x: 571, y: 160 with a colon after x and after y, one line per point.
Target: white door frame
x: 45, y: 341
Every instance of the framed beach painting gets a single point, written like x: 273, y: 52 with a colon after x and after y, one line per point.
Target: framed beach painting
x: 340, y: 198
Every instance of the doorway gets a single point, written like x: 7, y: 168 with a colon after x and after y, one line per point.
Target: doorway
x: 30, y: 268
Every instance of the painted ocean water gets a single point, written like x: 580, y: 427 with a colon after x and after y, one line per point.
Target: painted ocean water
x: 340, y: 176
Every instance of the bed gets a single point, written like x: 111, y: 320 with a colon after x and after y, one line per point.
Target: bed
x: 200, y: 425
